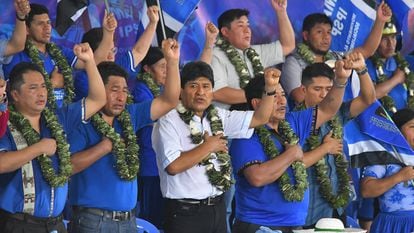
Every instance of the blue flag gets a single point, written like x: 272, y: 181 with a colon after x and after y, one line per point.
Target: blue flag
x: 373, y: 138
x: 352, y: 23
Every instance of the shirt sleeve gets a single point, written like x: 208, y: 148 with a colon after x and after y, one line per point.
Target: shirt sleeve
x: 291, y: 74
x: 141, y: 93
x: 376, y: 171
x: 236, y: 123
x: 140, y: 114
x: 166, y: 141
x: 72, y: 115
x: 270, y: 54
x: 246, y: 152
x: 219, y: 70
x: 3, y: 59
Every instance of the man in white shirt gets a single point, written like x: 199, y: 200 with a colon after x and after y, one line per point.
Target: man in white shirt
x: 192, y: 154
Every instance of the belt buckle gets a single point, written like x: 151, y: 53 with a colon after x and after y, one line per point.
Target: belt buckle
x: 119, y: 216
x: 210, y: 201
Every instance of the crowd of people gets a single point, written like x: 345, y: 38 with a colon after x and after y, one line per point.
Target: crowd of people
x: 247, y: 139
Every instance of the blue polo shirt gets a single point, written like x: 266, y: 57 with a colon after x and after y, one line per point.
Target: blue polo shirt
x: 399, y: 92
x: 266, y: 205
x: 49, y: 65
x: 11, y: 184
x: 125, y: 60
x: 99, y: 185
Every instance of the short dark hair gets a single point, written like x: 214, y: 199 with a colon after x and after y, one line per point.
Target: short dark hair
x: 316, y: 70
x: 254, y: 89
x: 225, y: 19
x: 317, y: 18
x: 403, y: 116
x: 93, y: 37
x: 153, y: 55
x: 108, y: 68
x: 196, y: 69
x: 16, y: 74
x: 36, y: 9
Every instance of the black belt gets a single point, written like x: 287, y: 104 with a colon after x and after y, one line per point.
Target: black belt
x: 207, y: 201
x: 27, y: 218
x: 113, y: 215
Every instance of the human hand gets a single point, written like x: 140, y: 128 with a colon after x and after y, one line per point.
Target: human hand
x: 22, y: 8
x: 47, y: 146
x: 406, y: 174
x: 296, y: 150
x: 171, y: 50
x: 271, y: 76
x: 384, y: 12
x: 153, y: 15
x: 216, y: 143
x: 211, y: 34
x: 334, y: 146
x: 279, y: 5
x: 109, y: 23
x: 84, y: 52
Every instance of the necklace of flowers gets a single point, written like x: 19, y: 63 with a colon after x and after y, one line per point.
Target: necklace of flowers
x: 63, y: 66
x: 238, y: 63
x: 402, y: 64
x: 125, y: 149
x: 146, y: 77
x: 325, y: 187
x: 221, y: 178
x: 62, y: 150
x: 290, y: 192
x: 309, y: 56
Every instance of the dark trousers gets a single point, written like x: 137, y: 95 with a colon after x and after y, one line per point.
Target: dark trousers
x: 17, y: 223
x: 151, y: 202
x: 245, y: 227
x: 194, y: 218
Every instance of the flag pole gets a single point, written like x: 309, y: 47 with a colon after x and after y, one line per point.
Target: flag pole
x: 162, y: 20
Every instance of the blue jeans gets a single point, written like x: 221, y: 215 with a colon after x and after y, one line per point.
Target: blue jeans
x: 83, y: 222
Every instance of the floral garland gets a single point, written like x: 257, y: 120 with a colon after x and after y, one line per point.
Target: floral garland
x: 403, y: 65
x: 221, y: 178
x: 238, y: 63
x: 146, y: 77
x: 290, y: 192
x: 64, y: 68
x: 62, y: 150
x: 309, y: 56
x: 325, y: 186
x: 125, y: 149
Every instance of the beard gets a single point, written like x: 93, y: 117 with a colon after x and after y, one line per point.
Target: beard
x: 317, y: 51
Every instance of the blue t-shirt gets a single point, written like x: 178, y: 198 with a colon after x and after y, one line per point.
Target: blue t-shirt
x: 11, y: 184
x: 147, y: 156
x: 99, y: 185
x: 125, y: 60
x: 398, y: 198
x: 318, y: 206
x: 399, y: 92
x: 49, y: 65
x: 266, y: 205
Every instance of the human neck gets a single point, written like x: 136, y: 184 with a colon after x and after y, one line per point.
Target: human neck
x: 108, y: 119
x: 33, y: 118
x: 274, y: 124
x: 40, y: 46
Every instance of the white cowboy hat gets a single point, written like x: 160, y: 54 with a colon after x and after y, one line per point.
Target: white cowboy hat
x: 330, y: 225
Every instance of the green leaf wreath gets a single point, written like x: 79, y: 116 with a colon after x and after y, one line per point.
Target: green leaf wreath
x: 325, y: 186
x: 238, y: 63
x: 125, y: 149
x: 63, y: 66
x: 309, y: 56
x: 32, y: 137
x: 146, y: 77
x: 403, y: 65
x: 221, y: 178
x: 291, y: 192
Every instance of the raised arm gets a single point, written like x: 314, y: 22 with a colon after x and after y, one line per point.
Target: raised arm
x: 371, y: 44
x: 211, y: 32
x: 12, y: 160
x: 262, y: 113
x: 141, y: 47
x: 286, y: 33
x: 96, y: 98
x: 372, y: 187
x: 331, y: 103
x: 109, y: 25
x: 169, y: 98
x: 18, y: 39
x: 367, y: 95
